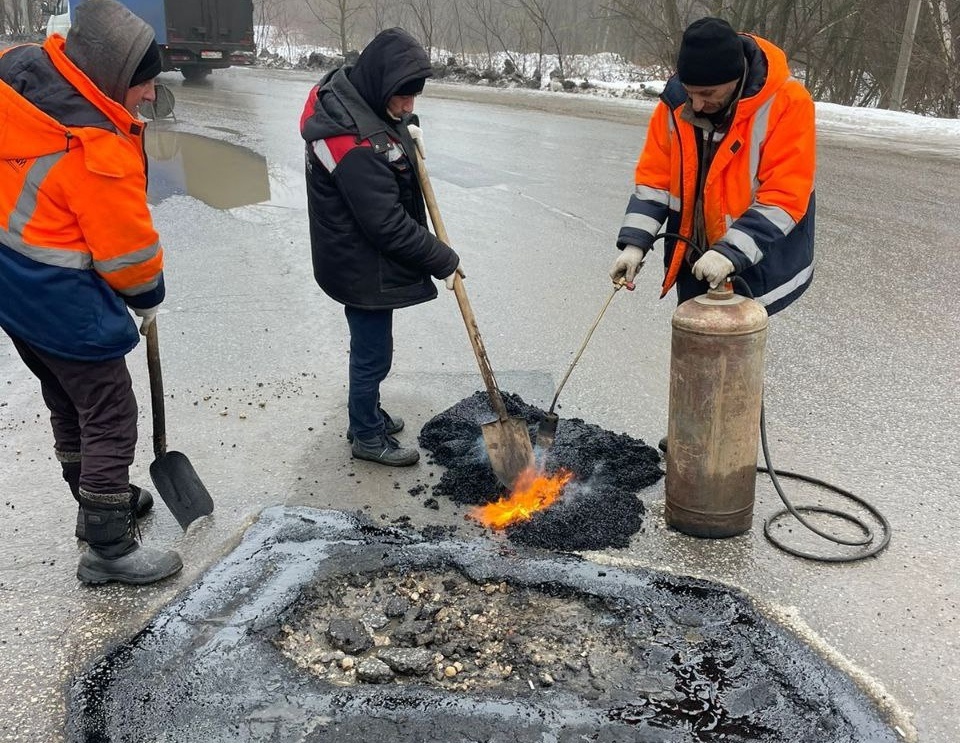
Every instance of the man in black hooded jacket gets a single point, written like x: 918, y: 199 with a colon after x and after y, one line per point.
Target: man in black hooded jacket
x: 372, y: 250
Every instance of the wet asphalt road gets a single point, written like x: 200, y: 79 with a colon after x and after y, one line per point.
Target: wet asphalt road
x: 861, y: 376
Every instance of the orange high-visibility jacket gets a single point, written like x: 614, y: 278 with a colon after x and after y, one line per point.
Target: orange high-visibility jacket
x: 77, y: 243
x: 758, y: 195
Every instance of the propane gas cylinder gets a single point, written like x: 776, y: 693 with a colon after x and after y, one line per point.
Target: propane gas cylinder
x: 716, y: 389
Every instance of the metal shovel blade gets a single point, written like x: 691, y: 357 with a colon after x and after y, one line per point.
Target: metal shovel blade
x: 180, y: 487
x: 509, y: 448
x: 547, y: 432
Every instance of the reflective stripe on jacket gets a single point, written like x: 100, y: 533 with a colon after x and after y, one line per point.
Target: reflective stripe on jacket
x: 77, y: 243
x: 758, y: 197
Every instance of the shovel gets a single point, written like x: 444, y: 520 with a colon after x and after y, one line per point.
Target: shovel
x: 507, y: 438
x: 547, y: 432
x: 171, y: 472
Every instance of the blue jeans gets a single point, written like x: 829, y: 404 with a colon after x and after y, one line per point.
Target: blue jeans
x: 371, y: 355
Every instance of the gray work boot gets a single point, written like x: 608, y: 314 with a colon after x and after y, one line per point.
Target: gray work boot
x: 112, y: 552
x: 384, y: 450
x: 390, y: 425
x: 71, y: 473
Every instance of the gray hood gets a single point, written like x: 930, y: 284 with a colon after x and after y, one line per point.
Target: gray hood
x: 107, y: 41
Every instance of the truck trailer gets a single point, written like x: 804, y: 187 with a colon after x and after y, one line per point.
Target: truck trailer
x: 194, y: 36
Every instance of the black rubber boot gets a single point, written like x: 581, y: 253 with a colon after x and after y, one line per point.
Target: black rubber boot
x: 384, y: 450
x: 71, y: 473
x: 390, y: 425
x: 112, y: 552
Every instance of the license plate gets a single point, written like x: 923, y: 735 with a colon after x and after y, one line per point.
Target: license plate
x: 211, y: 55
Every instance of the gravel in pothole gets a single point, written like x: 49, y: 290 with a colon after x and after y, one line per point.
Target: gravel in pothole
x: 443, y: 630
x: 686, y: 657
x: 598, y: 509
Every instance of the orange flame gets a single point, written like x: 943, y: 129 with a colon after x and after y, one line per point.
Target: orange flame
x: 533, y: 491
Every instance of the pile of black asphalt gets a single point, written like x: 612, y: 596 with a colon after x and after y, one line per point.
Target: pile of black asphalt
x: 598, y: 509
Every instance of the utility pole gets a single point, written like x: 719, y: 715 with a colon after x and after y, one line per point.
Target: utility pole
x: 906, y: 49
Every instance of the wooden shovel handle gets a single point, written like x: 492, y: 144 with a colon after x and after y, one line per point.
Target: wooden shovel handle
x: 156, y: 392
x: 486, y: 371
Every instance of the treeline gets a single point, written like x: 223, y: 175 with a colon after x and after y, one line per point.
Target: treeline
x: 845, y: 50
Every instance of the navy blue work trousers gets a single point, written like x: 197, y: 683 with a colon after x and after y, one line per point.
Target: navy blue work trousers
x: 371, y: 356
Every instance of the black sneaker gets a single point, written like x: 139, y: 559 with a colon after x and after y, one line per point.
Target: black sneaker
x: 390, y: 425
x: 384, y: 450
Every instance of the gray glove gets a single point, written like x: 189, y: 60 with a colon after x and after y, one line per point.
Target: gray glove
x: 625, y: 267
x: 450, y: 279
x: 147, y: 316
x: 714, y: 267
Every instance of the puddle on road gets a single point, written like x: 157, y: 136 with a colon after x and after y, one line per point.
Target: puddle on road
x: 219, y: 174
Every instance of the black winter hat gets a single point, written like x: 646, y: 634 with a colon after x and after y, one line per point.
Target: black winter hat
x: 711, y: 53
x: 150, y: 66
x: 411, y: 87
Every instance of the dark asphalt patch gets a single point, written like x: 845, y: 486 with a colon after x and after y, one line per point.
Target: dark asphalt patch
x: 675, y: 659
x: 599, y: 509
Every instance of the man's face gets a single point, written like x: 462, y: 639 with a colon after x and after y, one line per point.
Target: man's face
x: 708, y: 99
x: 398, y: 105
x: 138, y: 94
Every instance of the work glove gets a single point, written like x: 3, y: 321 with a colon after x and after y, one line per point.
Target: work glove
x: 713, y: 267
x: 624, y: 269
x: 416, y: 133
x: 449, y: 279
x: 147, y: 316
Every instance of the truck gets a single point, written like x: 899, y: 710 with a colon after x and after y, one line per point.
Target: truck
x: 194, y: 36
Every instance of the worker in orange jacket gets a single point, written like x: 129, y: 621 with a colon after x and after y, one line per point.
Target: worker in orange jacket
x: 728, y: 165
x: 78, y: 251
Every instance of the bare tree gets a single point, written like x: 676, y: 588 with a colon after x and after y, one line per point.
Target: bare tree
x: 458, y: 27
x: 946, y: 53
x: 541, y: 14
x: 378, y: 13
x: 19, y: 17
x: 426, y: 17
x: 492, y: 27
x: 657, y: 25
x: 337, y: 17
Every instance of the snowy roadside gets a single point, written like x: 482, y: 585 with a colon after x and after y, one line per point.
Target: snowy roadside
x: 885, y: 129
x: 606, y: 86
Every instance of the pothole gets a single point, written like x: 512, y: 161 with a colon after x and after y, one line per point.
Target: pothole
x: 459, y: 642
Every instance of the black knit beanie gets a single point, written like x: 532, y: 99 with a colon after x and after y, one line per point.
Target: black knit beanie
x: 711, y: 53
x: 149, y: 67
x: 411, y: 87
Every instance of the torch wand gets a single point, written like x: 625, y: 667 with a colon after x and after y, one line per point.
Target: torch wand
x: 547, y: 431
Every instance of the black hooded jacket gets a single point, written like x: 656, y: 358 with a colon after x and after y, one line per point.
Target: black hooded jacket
x: 371, y: 247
